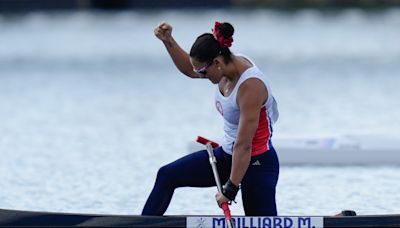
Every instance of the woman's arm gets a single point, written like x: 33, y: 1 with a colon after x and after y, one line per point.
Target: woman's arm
x: 251, y: 96
x: 180, y: 58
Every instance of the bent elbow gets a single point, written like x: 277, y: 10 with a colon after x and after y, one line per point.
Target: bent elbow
x: 244, y: 148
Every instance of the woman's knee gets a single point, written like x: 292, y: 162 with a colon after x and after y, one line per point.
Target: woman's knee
x: 164, y: 174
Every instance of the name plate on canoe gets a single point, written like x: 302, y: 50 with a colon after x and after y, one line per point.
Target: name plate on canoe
x: 256, y: 222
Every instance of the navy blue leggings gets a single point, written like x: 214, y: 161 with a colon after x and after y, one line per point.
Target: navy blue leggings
x: 194, y: 170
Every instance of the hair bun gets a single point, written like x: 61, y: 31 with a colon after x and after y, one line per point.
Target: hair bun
x: 223, y: 33
x: 226, y: 30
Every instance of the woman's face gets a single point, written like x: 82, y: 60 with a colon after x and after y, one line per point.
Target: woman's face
x: 207, y: 70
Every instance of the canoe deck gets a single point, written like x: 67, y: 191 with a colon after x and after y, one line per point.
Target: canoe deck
x: 52, y: 219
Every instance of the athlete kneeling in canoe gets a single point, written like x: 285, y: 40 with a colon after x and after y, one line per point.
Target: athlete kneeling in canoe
x: 246, y: 160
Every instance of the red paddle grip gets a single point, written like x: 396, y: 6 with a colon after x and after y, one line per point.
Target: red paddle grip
x: 204, y: 141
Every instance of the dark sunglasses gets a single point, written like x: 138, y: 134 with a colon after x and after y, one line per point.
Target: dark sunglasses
x: 203, y: 70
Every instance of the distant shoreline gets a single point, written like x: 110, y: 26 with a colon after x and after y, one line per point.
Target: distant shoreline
x: 10, y: 6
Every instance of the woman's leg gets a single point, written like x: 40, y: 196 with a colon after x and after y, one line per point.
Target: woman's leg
x: 192, y: 170
x: 259, y: 184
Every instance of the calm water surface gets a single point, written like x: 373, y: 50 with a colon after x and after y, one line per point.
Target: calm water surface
x: 91, y: 106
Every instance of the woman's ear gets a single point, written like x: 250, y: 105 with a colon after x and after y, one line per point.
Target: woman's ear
x: 217, y: 62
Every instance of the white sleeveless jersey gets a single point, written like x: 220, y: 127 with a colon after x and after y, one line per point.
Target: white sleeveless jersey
x: 230, y: 111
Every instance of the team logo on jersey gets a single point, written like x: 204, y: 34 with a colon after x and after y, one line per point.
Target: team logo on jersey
x: 218, y: 105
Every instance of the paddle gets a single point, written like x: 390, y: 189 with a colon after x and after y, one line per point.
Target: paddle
x: 213, y: 161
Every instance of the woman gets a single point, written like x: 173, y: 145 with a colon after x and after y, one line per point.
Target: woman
x: 247, y: 159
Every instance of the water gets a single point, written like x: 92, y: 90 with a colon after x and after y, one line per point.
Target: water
x: 91, y: 106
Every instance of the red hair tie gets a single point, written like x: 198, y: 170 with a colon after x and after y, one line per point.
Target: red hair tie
x: 223, y: 42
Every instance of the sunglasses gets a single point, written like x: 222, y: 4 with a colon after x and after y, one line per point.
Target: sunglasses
x: 203, y: 70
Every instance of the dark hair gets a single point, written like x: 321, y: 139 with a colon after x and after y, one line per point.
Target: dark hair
x: 207, y: 47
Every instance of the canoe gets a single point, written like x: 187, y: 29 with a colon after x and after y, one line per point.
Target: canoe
x: 54, y: 219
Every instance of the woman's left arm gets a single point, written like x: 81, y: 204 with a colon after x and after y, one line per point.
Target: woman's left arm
x: 251, y: 96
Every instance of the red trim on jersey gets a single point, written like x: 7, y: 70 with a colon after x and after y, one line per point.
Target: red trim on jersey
x: 262, y: 135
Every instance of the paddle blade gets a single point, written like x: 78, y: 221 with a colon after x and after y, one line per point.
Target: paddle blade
x: 227, y: 211
x: 228, y: 216
x: 204, y: 141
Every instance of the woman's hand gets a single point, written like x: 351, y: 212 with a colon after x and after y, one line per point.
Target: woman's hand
x: 163, y: 31
x: 221, y: 199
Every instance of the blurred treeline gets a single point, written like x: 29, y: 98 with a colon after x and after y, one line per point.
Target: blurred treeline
x: 35, y: 5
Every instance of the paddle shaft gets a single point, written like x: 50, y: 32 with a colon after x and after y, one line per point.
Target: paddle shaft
x: 213, y: 162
